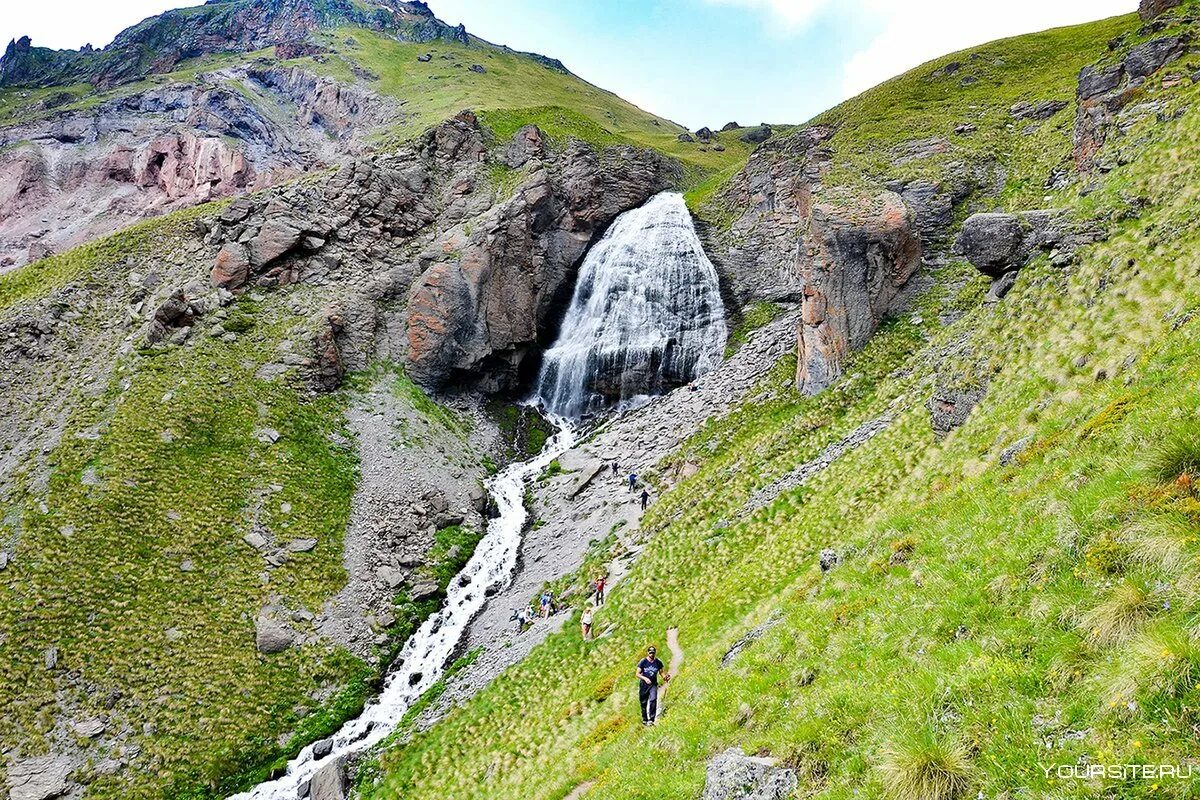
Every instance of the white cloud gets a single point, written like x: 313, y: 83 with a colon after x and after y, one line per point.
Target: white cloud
x: 794, y: 13
x: 919, y: 30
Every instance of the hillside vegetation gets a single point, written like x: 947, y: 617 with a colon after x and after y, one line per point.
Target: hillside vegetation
x: 1016, y: 596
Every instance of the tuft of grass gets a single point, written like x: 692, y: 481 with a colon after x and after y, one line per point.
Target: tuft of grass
x: 1175, y: 455
x: 926, y: 767
x: 1122, y: 613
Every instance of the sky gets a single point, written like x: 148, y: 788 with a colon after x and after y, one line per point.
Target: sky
x: 698, y: 62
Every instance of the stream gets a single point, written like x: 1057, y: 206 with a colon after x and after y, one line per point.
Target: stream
x: 424, y: 657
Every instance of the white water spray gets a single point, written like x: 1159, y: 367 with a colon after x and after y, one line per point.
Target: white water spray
x: 646, y: 314
x: 423, y: 659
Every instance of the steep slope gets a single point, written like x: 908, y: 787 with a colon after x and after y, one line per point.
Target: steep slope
x: 883, y: 610
x: 235, y: 96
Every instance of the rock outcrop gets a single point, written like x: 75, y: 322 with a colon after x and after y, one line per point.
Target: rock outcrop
x: 733, y: 775
x: 1149, y: 9
x: 74, y: 175
x: 856, y: 273
x: 849, y: 263
x: 1105, y: 90
x: 482, y: 313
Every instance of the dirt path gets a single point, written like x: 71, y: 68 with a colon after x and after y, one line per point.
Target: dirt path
x: 672, y: 668
x: 580, y: 790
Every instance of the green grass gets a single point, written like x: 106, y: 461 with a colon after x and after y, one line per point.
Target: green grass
x: 102, y: 256
x: 979, y: 610
x: 754, y: 316
x: 162, y: 470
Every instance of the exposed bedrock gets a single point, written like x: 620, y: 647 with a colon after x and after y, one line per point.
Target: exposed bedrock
x: 79, y: 174
x: 482, y: 312
x: 428, y: 266
x: 1105, y: 90
x: 856, y: 272
x: 850, y: 263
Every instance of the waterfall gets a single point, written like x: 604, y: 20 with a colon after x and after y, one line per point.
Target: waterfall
x: 646, y: 314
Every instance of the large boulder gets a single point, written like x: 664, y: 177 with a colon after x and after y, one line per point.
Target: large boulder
x: 271, y: 635
x: 994, y: 243
x: 329, y: 783
x: 733, y: 775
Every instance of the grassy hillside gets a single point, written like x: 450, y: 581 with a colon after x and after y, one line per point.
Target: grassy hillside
x: 986, y: 620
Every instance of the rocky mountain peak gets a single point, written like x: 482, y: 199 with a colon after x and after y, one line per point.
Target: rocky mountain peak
x: 157, y: 44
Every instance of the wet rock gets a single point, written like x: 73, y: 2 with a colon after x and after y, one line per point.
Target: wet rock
x: 329, y: 783
x: 733, y: 775
x: 322, y: 748
x: 39, y: 778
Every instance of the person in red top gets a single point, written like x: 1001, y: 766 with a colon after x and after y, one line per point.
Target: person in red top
x: 600, y: 590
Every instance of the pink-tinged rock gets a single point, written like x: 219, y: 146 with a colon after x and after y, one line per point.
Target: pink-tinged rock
x: 232, y: 268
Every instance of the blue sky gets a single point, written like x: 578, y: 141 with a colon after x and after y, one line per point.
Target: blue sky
x: 699, y: 62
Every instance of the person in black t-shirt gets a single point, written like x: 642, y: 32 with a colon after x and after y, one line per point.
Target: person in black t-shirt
x: 648, y: 670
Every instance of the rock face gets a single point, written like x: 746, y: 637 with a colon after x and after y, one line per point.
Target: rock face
x: 71, y: 176
x: 949, y: 407
x: 1105, y: 91
x: 329, y: 783
x: 463, y: 288
x: 733, y: 775
x: 850, y: 264
x: 856, y: 274
x: 40, y: 778
x: 482, y: 313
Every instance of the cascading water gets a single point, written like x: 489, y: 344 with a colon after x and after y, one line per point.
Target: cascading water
x: 423, y: 659
x: 646, y: 314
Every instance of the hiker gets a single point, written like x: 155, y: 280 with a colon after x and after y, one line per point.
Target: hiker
x: 547, y: 599
x: 616, y: 469
x: 585, y: 623
x: 632, y: 481
x: 645, y: 499
x: 600, y: 590
x: 648, y: 670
